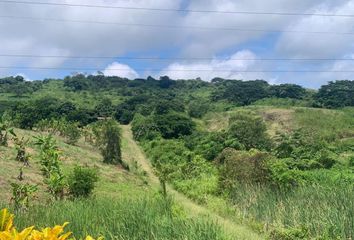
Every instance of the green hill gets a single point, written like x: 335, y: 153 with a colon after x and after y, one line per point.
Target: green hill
x: 182, y: 159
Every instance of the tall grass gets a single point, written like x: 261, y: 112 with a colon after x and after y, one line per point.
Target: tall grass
x: 329, y: 124
x: 322, y: 210
x: 153, y: 218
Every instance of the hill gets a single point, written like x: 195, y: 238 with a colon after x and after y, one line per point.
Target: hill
x: 188, y: 160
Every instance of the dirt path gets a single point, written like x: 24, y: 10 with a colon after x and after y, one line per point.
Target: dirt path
x: 132, y: 152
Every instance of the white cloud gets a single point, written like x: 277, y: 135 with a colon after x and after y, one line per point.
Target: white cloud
x: 120, y: 70
x: 320, y: 45
x: 79, y: 39
x: 229, y: 68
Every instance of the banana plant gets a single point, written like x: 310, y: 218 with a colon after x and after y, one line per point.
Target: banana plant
x: 5, y: 131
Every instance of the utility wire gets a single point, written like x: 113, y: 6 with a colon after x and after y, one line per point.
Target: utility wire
x: 173, y: 58
x: 177, y: 9
x: 174, y: 26
x: 183, y: 70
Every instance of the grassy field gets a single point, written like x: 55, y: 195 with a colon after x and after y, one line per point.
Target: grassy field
x: 149, y: 217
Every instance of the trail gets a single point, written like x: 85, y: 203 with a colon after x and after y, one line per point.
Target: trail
x: 131, y: 151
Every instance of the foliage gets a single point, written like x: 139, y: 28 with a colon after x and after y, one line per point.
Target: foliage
x: 49, y: 154
x: 144, y: 128
x: 282, y: 175
x: 336, y: 94
x: 240, y: 92
x: 22, y: 194
x: 188, y: 172
x: 109, y: 142
x: 287, y: 91
x: 50, y: 166
x: 250, y: 131
x: 307, y: 150
x: 82, y: 181
x: 5, y: 130
x: 174, y: 125
x: 210, y: 144
x: 288, y: 234
x: 22, y: 155
x: 241, y: 167
x: 56, y: 184
x: 197, y: 109
x: 28, y: 114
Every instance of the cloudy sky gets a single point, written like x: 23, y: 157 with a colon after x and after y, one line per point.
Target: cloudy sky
x: 182, y: 44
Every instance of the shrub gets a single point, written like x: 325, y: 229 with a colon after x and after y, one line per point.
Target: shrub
x: 81, y: 181
x: 283, y: 177
x: 289, y: 234
x: 242, y: 167
x: 250, y: 131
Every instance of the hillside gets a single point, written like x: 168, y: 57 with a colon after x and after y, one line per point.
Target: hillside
x: 181, y: 159
x: 115, y: 182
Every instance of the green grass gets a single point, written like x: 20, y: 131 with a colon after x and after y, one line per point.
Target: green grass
x: 331, y: 125
x: 151, y: 217
x: 324, y: 211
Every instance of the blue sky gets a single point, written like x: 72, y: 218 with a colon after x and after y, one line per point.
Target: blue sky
x: 218, y: 47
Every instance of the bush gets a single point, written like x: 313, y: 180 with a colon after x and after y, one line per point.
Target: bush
x: 81, y: 181
x: 282, y: 176
x: 242, y: 167
x: 250, y: 131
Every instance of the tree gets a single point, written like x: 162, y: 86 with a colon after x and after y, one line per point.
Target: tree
x: 336, y: 94
x: 240, y: 92
x: 288, y: 91
x: 250, y: 131
x: 109, y: 142
x: 104, y: 108
x: 174, y: 125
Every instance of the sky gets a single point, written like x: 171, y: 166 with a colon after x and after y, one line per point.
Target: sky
x: 202, y: 44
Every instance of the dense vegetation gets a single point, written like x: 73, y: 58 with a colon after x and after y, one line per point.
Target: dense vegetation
x: 279, y: 158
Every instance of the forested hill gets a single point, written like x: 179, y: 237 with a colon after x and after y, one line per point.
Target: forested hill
x: 84, y: 98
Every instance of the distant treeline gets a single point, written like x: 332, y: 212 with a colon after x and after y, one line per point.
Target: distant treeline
x: 163, y: 95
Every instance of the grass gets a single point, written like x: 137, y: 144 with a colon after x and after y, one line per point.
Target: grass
x: 329, y: 124
x: 324, y: 211
x: 122, y: 218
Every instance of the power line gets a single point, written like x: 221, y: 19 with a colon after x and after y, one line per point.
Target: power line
x: 175, y: 26
x: 181, y: 70
x: 176, y: 9
x: 173, y: 58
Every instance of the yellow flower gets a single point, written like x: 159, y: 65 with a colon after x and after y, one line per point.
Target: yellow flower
x: 50, y: 233
x: 13, y: 234
x: 9, y: 232
x: 6, y: 220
